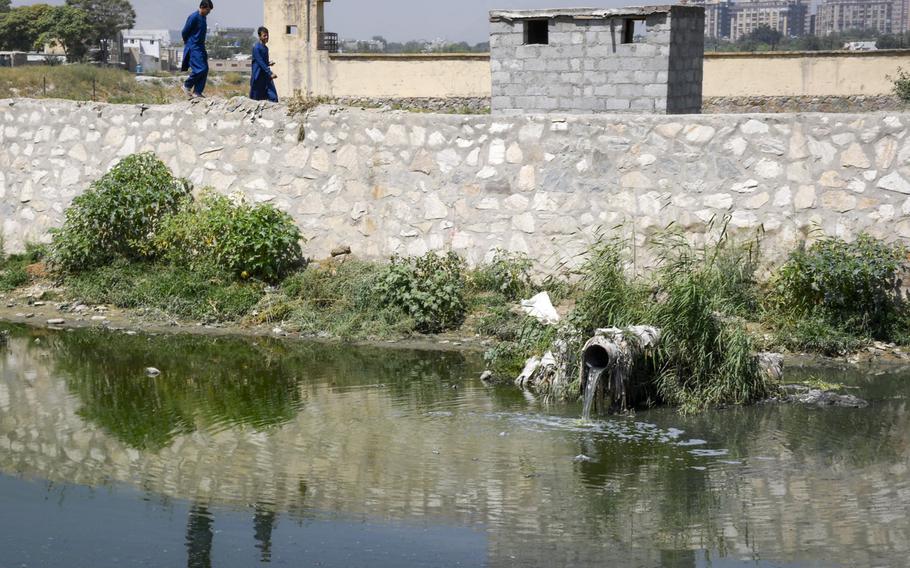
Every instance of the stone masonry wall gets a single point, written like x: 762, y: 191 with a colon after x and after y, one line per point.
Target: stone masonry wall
x: 404, y: 183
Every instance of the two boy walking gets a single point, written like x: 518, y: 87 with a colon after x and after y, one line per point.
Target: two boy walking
x: 196, y: 58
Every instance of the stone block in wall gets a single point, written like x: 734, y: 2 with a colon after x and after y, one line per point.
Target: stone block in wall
x: 645, y: 104
x: 617, y: 104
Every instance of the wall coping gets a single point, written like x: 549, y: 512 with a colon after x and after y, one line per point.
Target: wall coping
x: 804, y: 54
x: 409, y: 56
x: 708, y: 55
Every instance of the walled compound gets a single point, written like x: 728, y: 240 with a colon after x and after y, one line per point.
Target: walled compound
x: 403, y: 183
x: 640, y: 59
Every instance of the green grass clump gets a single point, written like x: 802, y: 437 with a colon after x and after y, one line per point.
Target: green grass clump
x: 695, y: 296
x: 12, y: 275
x: 13, y: 272
x: 836, y: 295
x: 608, y: 296
x: 336, y: 299
x: 205, y: 294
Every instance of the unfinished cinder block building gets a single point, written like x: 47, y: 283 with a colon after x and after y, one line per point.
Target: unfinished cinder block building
x: 585, y: 60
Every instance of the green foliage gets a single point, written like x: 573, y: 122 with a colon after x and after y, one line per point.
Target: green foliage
x: 705, y: 355
x: 840, y: 289
x: 608, y: 297
x: 518, y: 337
x: 68, y: 26
x: 13, y: 272
x: 250, y: 241
x: 201, y: 293
x: 508, y: 274
x: 901, y: 85
x: 107, y: 18
x: 12, y: 275
x: 21, y: 27
x: 336, y: 299
x: 430, y: 289
x: 766, y: 35
x: 120, y: 214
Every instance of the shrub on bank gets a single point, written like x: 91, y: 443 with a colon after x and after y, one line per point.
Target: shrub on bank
x: 250, y: 241
x: 338, y: 299
x: 429, y: 289
x: 120, y: 214
x: 846, y: 290
x: 14, y: 268
x: 508, y: 274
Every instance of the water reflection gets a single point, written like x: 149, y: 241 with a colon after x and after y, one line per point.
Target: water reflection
x: 199, y: 537
x: 289, y: 431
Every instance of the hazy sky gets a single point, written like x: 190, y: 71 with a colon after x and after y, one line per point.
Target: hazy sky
x: 359, y: 19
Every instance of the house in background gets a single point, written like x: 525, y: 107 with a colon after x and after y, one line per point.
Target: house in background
x: 581, y: 60
x: 153, y: 50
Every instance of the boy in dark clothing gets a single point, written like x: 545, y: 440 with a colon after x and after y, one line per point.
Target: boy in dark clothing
x: 195, y: 57
x: 262, y: 81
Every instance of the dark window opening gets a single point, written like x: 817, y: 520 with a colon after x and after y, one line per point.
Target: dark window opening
x: 537, y: 32
x: 292, y: 30
x: 633, y: 30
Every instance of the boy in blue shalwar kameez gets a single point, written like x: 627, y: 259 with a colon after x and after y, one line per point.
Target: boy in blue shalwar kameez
x: 262, y: 81
x: 195, y: 57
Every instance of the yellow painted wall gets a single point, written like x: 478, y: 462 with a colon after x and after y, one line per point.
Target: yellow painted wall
x: 301, y: 68
x: 409, y: 75
x: 801, y: 74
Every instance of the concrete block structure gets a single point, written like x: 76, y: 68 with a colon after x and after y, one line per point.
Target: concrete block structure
x: 583, y: 60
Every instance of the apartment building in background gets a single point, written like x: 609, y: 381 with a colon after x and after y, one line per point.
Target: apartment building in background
x: 730, y: 19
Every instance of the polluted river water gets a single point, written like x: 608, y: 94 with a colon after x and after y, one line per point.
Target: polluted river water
x: 251, y: 452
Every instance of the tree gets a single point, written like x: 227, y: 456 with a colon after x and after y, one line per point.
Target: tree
x: 20, y: 29
x: 67, y: 26
x: 5, y: 5
x: 766, y: 35
x: 107, y: 18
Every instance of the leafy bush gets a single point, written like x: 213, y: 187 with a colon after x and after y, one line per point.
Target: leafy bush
x: 508, y: 274
x: 430, y: 289
x: 850, y: 287
x: 202, y: 292
x: 901, y: 85
x: 120, y: 214
x: 250, y: 241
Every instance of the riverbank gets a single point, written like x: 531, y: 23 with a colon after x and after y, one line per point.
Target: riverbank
x: 22, y: 307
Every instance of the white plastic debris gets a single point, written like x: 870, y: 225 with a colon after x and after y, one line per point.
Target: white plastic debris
x: 530, y: 367
x: 541, y: 308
